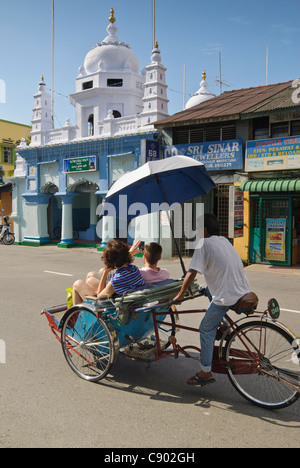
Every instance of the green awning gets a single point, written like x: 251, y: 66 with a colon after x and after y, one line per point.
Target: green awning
x: 284, y: 185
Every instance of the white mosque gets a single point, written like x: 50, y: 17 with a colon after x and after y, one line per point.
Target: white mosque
x: 112, y: 97
x: 116, y: 106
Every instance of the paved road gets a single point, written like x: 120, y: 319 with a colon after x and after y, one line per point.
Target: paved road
x: 44, y: 404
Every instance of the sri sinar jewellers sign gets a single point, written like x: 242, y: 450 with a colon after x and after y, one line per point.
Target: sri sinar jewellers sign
x: 216, y: 155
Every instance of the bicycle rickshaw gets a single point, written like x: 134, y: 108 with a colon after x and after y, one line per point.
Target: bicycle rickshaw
x: 260, y: 355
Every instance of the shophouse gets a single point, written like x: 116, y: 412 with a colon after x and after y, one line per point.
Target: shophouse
x: 249, y: 139
x: 11, y: 134
x: 64, y: 174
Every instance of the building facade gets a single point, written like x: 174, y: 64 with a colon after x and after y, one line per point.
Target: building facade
x: 11, y: 134
x: 64, y: 174
x: 249, y: 141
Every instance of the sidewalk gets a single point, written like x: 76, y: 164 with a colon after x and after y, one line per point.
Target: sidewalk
x: 294, y: 270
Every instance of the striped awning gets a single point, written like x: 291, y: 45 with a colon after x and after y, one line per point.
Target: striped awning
x: 271, y: 185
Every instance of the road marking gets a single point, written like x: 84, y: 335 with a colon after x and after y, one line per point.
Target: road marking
x: 57, y: 273
x: 293, y: 311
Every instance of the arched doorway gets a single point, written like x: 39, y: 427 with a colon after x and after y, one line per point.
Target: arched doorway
x: 84, y: 208
x: 53, y: 210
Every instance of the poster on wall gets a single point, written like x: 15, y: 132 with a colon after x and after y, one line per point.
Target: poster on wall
x: 275, y: 239
x: 236, y: 213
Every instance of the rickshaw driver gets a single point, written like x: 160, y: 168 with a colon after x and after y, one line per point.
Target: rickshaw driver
x: 223, y: 271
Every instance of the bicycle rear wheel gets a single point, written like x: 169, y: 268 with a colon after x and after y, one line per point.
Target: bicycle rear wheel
x: 264, y: 367
x: 87, y: 344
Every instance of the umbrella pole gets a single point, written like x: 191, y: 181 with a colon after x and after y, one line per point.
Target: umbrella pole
x: 172, y: 227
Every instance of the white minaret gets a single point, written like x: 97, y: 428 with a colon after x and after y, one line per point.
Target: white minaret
x: 41, y: 118
x: 155, y: 101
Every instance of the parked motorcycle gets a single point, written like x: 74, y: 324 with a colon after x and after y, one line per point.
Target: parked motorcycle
x: 6, y: 236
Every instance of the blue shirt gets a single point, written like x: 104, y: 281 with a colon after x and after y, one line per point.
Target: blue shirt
x: 127, y: 280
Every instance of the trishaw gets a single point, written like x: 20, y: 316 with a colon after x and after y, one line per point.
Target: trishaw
x: 260, y: 355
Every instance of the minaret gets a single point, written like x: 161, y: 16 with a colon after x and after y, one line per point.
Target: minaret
x: 41, y: 118
x: 155, y: 101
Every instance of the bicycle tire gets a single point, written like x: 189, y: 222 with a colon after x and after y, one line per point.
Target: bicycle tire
x: 87, y: 344
x: 8, y: 238
x: 257, y: 380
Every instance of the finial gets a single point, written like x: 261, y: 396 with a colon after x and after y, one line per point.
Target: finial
x: 156, y: 45
x: 42, y: 79
x: 112, y: 19
x: 204, y: 76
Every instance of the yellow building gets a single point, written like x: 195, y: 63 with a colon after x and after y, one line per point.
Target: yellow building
x: 11, y: 134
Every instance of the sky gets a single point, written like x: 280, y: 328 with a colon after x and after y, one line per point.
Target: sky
x: 192, y: 36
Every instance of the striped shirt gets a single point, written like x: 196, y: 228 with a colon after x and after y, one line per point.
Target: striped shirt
x: 127, y: 280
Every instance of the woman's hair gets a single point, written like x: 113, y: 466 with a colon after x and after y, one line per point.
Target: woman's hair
x: 153, y: 252
x: 116, y: 254
x: 211, y: 224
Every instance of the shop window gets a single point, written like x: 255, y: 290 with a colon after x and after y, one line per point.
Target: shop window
x: 295, y: 128
x: 280, y: 130
x: 114, y: 83
x: 212, y: 134
x: 196, y: 135
x: 261, y: 128
x: 229, y: 132
x: 87, y: 85
x: 91, y: 125
x: 181, y: 137
x: 7, y: 155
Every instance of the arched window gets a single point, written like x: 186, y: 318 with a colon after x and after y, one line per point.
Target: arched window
x: 91, y: 125
x: 116, y: 114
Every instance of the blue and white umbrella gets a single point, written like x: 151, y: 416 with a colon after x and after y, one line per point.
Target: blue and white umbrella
x: 173, y: 180
x: 177, y: 179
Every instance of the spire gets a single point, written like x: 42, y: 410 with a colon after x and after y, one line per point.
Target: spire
x: 112, y: 19
x: 112, y: 30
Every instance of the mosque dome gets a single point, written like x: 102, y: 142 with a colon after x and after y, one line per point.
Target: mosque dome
x: 111, y: 54
x: 200, y: 96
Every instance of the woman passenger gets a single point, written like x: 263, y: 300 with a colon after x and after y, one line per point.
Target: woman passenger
x: 127, y: 277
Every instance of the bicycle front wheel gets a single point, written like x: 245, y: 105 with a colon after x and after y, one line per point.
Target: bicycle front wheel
x: 263, y: 364
x: 87, y: 345
x: 8, y: 238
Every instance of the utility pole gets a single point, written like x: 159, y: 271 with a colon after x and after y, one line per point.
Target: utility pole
x: 53, y: 63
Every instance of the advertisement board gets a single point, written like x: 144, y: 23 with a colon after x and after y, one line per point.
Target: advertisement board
x: 273, y: 154
x: 275, y: 239
x: 236, y: 213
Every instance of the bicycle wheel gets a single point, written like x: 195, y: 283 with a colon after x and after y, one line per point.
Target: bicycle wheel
x: 87, y: 345
x: 264, y: 364
x: 8, y: 238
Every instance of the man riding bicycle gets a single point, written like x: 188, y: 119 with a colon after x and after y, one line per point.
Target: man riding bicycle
x: 223, y: 271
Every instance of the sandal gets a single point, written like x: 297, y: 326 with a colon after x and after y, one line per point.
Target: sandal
x: 199, y: 381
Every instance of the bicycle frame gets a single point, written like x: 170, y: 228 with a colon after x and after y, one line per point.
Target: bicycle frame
x: 219, y: 365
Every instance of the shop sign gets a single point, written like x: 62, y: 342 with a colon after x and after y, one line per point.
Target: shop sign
x: 275, y: 239
x: 215, y: 155
x: 273, y: 154
x: 84, y: 164
x: 236, y: 213
x: 149, y: 151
